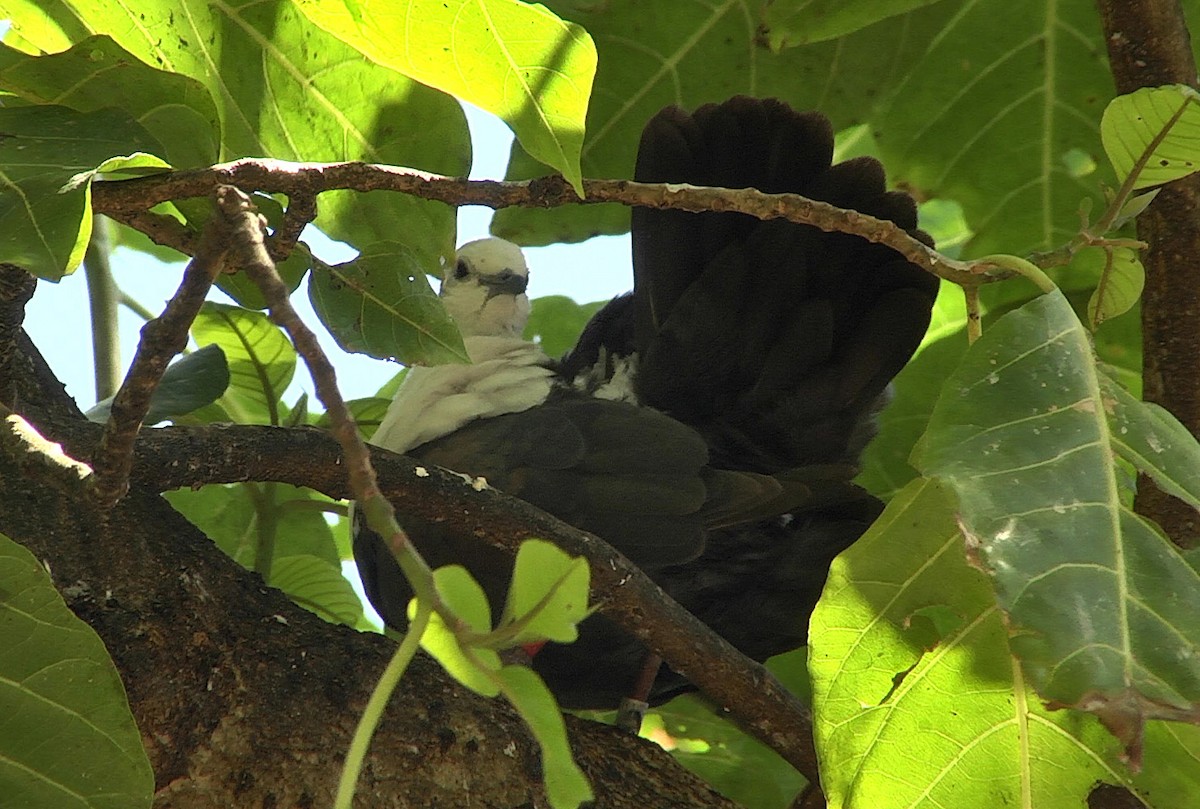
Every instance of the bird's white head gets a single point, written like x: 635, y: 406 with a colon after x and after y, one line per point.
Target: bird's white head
x: 484, y: 289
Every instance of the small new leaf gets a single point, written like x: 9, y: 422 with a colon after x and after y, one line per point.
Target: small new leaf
x: 1151, y: 135
x: 475, y: 667
x: 548, y: 595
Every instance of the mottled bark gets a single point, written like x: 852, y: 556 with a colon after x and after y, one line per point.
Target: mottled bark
x: 1149, y: 45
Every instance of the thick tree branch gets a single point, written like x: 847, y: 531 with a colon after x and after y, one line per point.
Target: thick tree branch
x: 1149, y: 45
x: 120, y: 198
x: 177, y: 457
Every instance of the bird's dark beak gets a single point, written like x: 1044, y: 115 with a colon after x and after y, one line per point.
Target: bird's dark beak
x: 505, y: 282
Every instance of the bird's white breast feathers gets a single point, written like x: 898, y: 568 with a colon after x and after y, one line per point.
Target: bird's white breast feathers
x: 506, y: 375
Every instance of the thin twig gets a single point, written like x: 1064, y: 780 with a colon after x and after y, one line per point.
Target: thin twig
x: 121, y: 197
x: 162, y: 339
x: 301, y: 209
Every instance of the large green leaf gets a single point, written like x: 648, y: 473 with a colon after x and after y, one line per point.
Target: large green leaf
x: 918, y: 701
x: 1102, y: 607
x: 984, y: 103
x: 516, y: 60
x: 655, y: 54
x: 261, y: 360
x: 67, y: 738
x: 319, y: 587
x: 177, y: 111
x: 48, y: 156
x: 381, y: 304
x: 286, y: 89
x: 788, y: 23
x: 234, y: 515
x: 996, y: 114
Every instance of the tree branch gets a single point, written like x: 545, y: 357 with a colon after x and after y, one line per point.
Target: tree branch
x: 122, y: 198
x: 162, y: 339
x: 1148, y: 45
x: 177, y: 457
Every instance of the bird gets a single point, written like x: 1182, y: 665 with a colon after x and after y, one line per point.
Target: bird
x: 708, y: 424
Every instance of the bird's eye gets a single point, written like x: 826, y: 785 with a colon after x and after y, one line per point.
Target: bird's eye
x: 461, y: 270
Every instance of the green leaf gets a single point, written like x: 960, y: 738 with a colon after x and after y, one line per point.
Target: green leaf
x: 230, y: 515
x: 555, y: 322
x: 381, y: 304
x: 367, y: 414
x: 1101, y: 606
x: 733, y: 762
x: 1152, y: 134
x: 789, y: 23
x: 885, y: 463
x: 515, y: 60
x: 655, y: 54
x: 1154, y: 441
x: 47, y: 159
x: 261, y: 359
x: 1121, y: 278
x: 190, y: 382
x: 549, y: 593
x: 319, y: 587
x: 566, y: 785
x: 296, y: 93
x: 177, y: 111
x: 918, y: 702
x: 477, y: 667
x: 67, y: 738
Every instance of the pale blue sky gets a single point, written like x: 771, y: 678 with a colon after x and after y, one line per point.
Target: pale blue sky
x: 58, y: 322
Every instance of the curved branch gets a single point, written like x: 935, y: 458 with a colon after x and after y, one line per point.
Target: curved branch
x: 122, y: 198
x: 176, y: 457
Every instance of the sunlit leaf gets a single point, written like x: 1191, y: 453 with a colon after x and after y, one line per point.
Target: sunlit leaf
x: 566, y: 785
x: 1153, y: 133
x: 516, y: 60
x: 1121, y: 279
x: 67, y: 738
x: 549, y: 590
x: 477, y: 668
x: 918, y: 702
x: 297, y: 93
x: 48, y: 158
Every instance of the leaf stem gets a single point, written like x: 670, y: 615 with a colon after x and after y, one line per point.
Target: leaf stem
x: 380, y: 695
x: 103, y: 296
